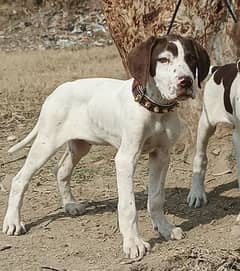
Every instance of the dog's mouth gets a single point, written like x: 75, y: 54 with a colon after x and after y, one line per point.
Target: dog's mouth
x: 185, y: 94
x: 182, y: 98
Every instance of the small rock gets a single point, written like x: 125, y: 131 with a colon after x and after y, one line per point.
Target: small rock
x: 26, y: 24
x: 99, y: 28
x: 11, y: 138
x: 216, y: 152
x: 179, y: 148
x: 98, y: 44
x: 64, y: 43
x: 235, y: 231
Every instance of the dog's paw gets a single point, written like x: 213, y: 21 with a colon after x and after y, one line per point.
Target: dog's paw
x: 135, y: 247
x: 12, y: 226
x: 177, y: 234
x: 169, y: 232
x: 196, y: 197
x: 75, y: 208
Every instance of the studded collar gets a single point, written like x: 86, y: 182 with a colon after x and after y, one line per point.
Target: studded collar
x: 140, y: 96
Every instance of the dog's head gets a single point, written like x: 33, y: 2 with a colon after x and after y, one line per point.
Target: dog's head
x: 174, y: 62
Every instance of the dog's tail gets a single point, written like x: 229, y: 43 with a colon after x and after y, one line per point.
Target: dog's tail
x: 25, y: 141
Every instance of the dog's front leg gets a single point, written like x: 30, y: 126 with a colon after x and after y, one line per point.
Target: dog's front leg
x: 197, y: 194
x: 235, y: 136
x: 158, y: 166
x: 126, y: 160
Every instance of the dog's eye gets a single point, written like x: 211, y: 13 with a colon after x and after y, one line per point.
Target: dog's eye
x: 163, y: 60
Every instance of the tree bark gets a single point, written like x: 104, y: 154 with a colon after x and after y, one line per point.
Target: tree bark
x: 131, y: 21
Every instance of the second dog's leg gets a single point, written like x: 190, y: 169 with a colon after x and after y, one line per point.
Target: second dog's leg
x: 236, y: 143
x: 158, y: 166
x: 76, y: 149
x: 197, y: 193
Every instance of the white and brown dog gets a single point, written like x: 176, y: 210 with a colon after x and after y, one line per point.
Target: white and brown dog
x: 135, y: 116
x: 221, y: 103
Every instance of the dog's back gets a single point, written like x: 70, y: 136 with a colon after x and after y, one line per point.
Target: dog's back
x: 222, y: 94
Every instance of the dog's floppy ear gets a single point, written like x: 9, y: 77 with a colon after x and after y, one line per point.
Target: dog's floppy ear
x: 203, y: 62
x: 139, y: 60
x: 238, y: 65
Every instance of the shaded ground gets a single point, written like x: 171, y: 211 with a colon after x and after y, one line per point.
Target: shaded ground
x: 92, y: 241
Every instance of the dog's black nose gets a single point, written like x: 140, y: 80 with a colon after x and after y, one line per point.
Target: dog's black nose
x: 185, y: 81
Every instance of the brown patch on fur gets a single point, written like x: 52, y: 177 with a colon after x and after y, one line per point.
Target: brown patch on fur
x: 214, y: 68
x: 139, y: 60
x: 226, y: 74
x: 171, y: 47
x: 159, y: 47
x: 203, y: 62
x: 238, y: 65
x: 195, y: 56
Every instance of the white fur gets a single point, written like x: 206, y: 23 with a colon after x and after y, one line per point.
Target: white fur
x: 213, y: 112
x: 103, y: 111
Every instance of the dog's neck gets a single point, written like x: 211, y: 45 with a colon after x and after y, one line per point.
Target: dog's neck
x: 153, y: 92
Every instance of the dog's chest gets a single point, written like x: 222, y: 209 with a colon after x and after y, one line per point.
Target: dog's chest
x: 161, y: 134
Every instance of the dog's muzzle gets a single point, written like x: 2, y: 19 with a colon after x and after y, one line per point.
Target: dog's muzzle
x: 185, y: 88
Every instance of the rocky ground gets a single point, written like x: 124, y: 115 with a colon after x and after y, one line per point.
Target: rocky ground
x: 44, y: 27
x: 31, y: 67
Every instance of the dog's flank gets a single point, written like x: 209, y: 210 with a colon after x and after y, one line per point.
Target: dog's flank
x: 103, y: 111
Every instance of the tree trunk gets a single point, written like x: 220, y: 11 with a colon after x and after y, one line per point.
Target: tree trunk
x: 131, y: 21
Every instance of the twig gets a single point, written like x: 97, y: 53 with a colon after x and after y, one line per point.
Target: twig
x: 130, y: 261
x: 12, y: 161
x: 5, y: 248
x: 44, y: 225
x: 228, y: 171
x: 210, y: 179
x: 49, y: 268
x: 2, y: 188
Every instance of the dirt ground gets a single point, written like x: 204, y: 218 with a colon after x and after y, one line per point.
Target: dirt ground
x: 56, y: 241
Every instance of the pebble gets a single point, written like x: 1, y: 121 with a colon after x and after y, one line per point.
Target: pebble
x: 11, y: 138
x: 216, y: 152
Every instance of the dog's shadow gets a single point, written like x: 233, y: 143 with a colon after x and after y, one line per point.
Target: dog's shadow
x: 218, y: 207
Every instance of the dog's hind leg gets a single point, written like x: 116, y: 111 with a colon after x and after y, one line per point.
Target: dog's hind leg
x: 41, y: 150
x: 197, y: 194
x: 158, y: 167
x: 236, y: 143
x: 76, y: 149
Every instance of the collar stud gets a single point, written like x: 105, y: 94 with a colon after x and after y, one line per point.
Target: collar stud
x: 147, y: 104
x: 138, y: 98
